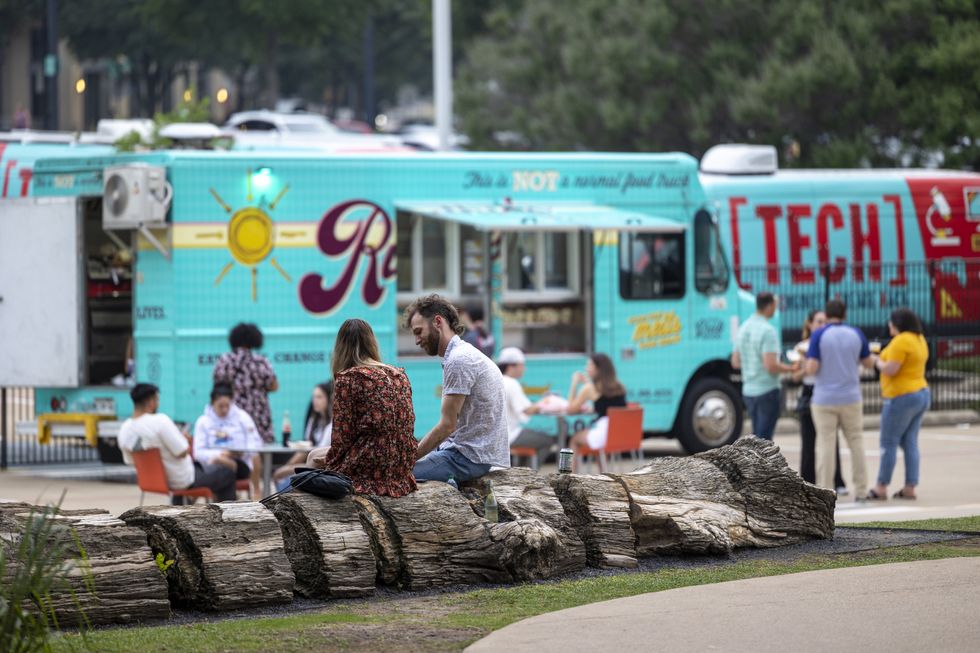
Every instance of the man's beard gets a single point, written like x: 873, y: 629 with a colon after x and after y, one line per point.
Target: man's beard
x: 431, y: 343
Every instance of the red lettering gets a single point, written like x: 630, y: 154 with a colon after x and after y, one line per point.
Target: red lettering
x: 733, y: 204
x: 25, y: 180
x: 829, y: 213
x: 899, y: 279
x: 769, y: 214
x: 869, y: 239
x: 798, y: 242
x: 6, y: 176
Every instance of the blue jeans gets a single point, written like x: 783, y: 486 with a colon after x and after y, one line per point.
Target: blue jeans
x: 900, y: 420
x: 763, y: 411
x: 438, y: 465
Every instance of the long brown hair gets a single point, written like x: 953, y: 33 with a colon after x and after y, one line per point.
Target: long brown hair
x: 356, y: 346
x: 605, y: 379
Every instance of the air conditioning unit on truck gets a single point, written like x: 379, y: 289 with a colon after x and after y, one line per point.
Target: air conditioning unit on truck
x: 569, y: 254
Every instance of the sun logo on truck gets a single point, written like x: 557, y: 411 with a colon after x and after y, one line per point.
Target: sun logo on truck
x: 251, y: 234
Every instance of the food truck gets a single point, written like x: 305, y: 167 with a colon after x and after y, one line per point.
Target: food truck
x: 878, y: 239
x: 157, y: 255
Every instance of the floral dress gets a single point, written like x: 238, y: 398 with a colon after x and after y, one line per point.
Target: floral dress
x: 373, y: 438
x: 250, y: 375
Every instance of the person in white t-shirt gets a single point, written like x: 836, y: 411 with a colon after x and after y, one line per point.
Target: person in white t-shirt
x: 518, y: 407
x: 148, y: 429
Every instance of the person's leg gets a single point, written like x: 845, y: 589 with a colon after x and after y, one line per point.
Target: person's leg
x: 888, y: 439
x: 808, y: 435
x: 825, y: 421
x: 284, y: 472
x: 910, y: 441
x: 768, y: 409
x: 838, y: 476
x: 751, y: 409
x: 438, y: 465
x: 579, y: 440
x: 255, y: 478
x: 851, y: 420
x: 219, y: 478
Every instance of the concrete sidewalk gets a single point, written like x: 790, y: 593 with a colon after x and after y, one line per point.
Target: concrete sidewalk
x: 919, y: 606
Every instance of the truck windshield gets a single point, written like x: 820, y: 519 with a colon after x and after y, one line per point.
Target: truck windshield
x: 710, y: 266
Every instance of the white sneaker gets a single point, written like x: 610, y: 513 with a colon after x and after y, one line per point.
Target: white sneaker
x: 842, y: 491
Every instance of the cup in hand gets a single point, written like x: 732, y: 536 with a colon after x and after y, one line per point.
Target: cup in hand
x: 875, y: 347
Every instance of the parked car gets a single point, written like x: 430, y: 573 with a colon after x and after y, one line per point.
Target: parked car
x: 299, y: 130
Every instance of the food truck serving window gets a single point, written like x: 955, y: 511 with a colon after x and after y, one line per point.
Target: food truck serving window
x: 651, y: 265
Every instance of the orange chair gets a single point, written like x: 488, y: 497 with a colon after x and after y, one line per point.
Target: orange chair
x: 525, y: 452
x: 625, y: 435
x: 152, y: 477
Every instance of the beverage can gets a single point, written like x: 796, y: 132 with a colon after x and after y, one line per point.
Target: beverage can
x: 565, y: 461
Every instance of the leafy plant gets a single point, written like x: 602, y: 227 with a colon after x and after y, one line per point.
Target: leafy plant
x: 187, y: 111
x: 163, y: 564
x: 33, y: 568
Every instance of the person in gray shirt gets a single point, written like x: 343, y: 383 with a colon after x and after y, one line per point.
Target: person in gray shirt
x: 471, y: 435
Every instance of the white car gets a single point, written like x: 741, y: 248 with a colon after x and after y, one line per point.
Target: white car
x: 262, y: 128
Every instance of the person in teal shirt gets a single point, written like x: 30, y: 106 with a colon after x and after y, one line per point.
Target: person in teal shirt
x: 756, y: 354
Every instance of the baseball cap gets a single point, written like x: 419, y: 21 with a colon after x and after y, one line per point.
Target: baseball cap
x: 510, y: 356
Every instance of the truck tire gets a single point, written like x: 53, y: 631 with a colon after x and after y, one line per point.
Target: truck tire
x: 711, y: 415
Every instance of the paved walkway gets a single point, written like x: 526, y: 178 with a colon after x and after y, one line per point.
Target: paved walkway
x: 918, y: 606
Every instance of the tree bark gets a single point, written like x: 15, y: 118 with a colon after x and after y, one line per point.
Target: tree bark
x: 598, y: 508
x: 328, y: 548
x: 226, y: 555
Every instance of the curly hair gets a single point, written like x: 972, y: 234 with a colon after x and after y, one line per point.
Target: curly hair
x: 432, y: 305
x: 246, y: 335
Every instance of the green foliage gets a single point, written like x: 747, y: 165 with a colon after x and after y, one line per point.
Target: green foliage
x: 190, y: 111
x: 831, y: 84
x: 163, y: 564
x: 33, y: 566
x: 962, y: 524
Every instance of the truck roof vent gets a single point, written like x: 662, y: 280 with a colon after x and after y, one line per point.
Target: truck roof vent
x: 739, y: 159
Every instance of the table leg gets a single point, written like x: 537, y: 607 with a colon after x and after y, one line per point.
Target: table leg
x: 266, y: 474
x: 562, y: 433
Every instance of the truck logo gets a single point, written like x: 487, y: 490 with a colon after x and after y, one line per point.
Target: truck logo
x: 709, y: 328
x: 371, y: 240
x: 657, y: 329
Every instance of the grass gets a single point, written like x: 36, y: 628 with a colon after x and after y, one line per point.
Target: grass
x: 965, y: 524
x: 449, y: 622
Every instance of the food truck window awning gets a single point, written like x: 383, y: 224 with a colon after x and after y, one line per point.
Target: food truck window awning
x: 539, y: 216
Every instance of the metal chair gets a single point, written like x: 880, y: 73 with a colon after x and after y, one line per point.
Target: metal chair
x: 625, y: 434
x: 152, y: 477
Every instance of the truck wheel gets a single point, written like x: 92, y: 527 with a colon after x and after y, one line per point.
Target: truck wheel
x: 711, y: 415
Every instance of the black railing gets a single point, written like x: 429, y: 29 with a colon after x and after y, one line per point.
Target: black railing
x: 945, y: 293
x: 17, y: 405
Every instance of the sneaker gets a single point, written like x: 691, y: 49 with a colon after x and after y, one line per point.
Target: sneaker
x: 842, y: 491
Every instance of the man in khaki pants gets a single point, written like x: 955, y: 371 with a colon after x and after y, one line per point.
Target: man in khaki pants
x: 836, y: 352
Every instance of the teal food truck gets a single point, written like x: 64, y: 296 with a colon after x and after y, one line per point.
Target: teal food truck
x: 155, y: 256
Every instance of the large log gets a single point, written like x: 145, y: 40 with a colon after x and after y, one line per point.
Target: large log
x: 781, y: 507
x: 598, y: 508
x: 432, y: 538
x: 551, y: 545
x: 328, y: 548
x: 109, y: 572
x: 226, y: 555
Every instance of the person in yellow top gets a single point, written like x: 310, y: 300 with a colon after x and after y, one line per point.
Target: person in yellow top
x: 903, y: 385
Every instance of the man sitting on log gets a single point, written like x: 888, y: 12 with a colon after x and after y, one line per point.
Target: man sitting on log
x: 148, y: 429
x: 471, y: 435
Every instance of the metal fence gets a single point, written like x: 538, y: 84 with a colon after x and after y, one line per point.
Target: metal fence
x: 17, y: 405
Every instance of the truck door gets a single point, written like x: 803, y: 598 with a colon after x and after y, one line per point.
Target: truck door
x: 41, y: 299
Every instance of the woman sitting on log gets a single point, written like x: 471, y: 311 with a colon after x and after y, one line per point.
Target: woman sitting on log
x: 599, y: 385
x: 373, y: 439
x: 318, y: 431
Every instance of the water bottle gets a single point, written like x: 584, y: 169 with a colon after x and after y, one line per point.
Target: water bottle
x: 452, y: 482
x: 490, y: 505
x: 287, y: 428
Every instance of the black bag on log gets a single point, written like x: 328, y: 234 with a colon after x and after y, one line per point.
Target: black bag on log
x: 321, y: 482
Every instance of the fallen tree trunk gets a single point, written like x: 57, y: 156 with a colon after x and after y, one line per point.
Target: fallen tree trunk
x: 226, y: 555
x: 432, y: 538
x: 109, y: 573
x: 598, y: 508
x: 551, y: 545
x: 327, y: 546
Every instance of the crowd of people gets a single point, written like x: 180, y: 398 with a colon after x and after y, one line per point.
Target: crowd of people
x: 362, y: 422
x: 829, y: 359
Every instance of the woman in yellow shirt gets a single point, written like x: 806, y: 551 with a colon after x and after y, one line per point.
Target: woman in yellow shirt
x: 903, y: 385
